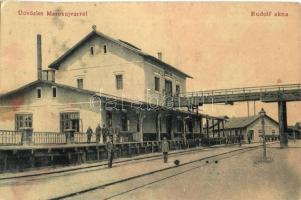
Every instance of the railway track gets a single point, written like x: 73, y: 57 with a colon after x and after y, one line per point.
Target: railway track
x: 84, y: 169
x: 194, y: 164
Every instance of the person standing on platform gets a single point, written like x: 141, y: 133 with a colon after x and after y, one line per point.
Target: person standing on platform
x: 110, y: 151
x: 98, y: 133
x: 239, y: 139
x: 117, y: 133
x: 111, y: 131
x: 165, y: 149
x: 104, y: 133
x: 249, y: 138
x: 114, y: 138
x: 89, y: 134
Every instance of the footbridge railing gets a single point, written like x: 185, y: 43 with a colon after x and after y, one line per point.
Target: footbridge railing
x: 272, y: 93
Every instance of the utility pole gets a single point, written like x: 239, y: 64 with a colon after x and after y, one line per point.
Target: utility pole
x: 262, y: 115
x: 248, y: 108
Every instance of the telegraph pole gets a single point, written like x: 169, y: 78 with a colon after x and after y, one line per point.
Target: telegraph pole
x: 262, y: 115
x: 248, y: 108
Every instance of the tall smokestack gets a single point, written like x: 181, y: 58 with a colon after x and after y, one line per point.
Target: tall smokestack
x: 39, y: 57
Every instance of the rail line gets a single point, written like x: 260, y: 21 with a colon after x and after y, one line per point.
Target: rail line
x: 85, y: 169
x: 173, y: 175
x: 236, y: 152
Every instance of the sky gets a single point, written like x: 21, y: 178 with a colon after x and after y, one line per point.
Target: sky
x: 221, y: 45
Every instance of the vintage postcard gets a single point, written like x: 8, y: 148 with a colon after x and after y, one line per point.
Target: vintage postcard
x: 150, y: 100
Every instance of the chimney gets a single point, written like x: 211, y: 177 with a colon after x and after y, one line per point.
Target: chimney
x: 39, y: 57
x: 160, y: 55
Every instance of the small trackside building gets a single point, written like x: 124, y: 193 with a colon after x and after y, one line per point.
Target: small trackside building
x: 245, y: 126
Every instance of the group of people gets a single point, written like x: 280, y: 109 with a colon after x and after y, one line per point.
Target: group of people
x: 110, y: 147
x: 103, y: 133
x: 108, y: 136
x: 110, y: 144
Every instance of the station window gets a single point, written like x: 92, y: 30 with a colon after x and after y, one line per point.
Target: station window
x: 92, y: 50
x: 109, y: 119
x: 178, y: 89
x: 53, y: 91
x: 138, y: 123
x: 124, y: 122
x: 104, y: 48
x: 157, y: 83
x: 39, y: 93
x: 80, y: 83
x: 189, y: 125
x: 119, y: 82
x: 69, y: 120
x: 23, y: 120
x: 179, y: 125
x: 158, y: 124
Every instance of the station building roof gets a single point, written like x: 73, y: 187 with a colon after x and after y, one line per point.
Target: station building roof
x: 94, y: 33
x: 120, y: 101
x: 242, y: 122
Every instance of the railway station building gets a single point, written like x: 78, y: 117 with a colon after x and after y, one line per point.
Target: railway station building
x: 101, y: 80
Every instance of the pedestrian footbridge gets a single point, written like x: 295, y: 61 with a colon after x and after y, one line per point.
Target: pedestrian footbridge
x: 272, y: 93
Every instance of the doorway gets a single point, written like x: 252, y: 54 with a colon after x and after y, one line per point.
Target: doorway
x: 251, y: 134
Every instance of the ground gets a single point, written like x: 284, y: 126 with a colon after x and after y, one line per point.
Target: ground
x: 243, y: 176
x: 235, y: 176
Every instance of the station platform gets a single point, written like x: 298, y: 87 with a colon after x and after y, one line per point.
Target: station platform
x: 55, y: 185
x: 68, y: 168
x: 20, y: 158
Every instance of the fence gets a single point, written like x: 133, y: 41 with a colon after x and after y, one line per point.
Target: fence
x: 82, y: 138
x: 8, y: 137
x: 45, y: 138
x: 59, y: 138
x: 48, y: 138
x: 270, y: 137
